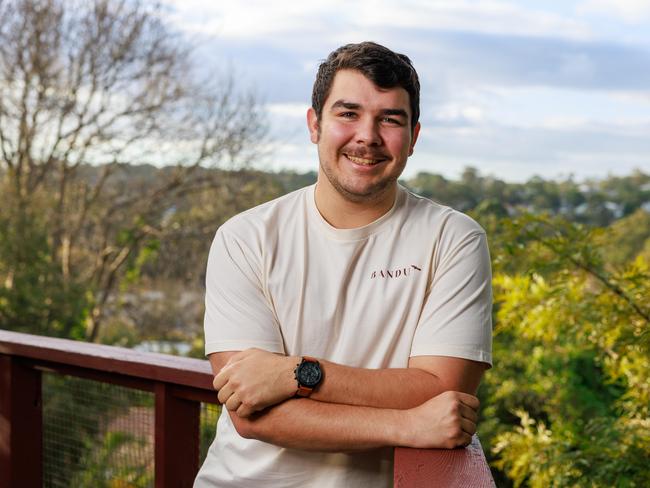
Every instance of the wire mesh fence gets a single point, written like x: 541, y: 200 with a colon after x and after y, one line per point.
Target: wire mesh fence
x: 101, y: 435
x: 209, y: 415
x: 96, y: 434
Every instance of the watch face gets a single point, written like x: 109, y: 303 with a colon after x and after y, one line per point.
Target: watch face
x: 309, y: 374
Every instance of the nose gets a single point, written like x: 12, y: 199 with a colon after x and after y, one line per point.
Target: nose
x: 368, y: 132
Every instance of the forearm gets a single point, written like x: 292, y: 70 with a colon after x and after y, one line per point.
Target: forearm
x: 318, y: 426
x: 254, y: 379
x: 396, y: 388
x: 445, y: 421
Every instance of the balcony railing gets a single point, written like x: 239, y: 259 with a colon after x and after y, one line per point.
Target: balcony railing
x: 179, y: 385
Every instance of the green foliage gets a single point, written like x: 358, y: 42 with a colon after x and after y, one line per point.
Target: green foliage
x: 209, y: 417
x: 592, y: 202
x: 568, y: 401
x: 35, y: 296
x: 85, y: 443
x: 627, y: 238
x: 146, y: 254
x: 110, y: 466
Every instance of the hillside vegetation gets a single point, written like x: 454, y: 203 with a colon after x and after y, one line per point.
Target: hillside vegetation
x: 568, y: 400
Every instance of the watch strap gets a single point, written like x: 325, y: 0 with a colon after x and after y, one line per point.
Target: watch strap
x: 304, y: 391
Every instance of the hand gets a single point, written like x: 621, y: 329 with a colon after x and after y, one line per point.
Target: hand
x: 446, y: 421
x: 255, y: 379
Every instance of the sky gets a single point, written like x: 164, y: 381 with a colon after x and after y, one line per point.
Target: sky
x: 555, y: 89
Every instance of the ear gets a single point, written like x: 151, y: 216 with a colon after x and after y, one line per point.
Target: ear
x: 416, y: 133
x: 312, y: 125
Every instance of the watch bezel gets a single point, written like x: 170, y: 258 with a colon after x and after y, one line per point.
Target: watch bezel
x: 304, y: 366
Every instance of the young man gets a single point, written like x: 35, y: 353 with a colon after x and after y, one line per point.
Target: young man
x: 349, y: 316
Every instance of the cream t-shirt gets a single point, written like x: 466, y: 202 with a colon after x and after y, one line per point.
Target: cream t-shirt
x: 279, y: 277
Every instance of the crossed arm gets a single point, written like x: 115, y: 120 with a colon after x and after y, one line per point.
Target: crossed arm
x: 428, y: 404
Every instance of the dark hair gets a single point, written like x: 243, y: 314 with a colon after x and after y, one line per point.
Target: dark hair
x: 383, y: 67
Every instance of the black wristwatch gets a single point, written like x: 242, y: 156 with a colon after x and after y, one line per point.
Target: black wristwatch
x: 308, y: 375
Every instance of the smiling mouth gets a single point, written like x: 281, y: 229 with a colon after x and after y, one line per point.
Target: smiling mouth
x: 363, y: 161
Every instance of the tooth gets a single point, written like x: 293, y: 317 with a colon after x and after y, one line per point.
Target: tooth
x: 363, y: 161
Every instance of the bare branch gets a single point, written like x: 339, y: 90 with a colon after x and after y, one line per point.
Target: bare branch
x: 105, y: 82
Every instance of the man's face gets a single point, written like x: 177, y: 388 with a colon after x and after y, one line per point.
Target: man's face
x: 364, y: 136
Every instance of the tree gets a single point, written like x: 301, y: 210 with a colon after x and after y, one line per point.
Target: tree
x: 31, y: 296
x: 107, y: 83
x: 568, y: 404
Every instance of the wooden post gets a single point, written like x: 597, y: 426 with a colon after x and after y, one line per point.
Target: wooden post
x: 21, y: 425
x: 176, y: 439
x: 451, y: 468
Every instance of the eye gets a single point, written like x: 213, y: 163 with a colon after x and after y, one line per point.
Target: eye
x: 391, y: 121
x: 347, y: 115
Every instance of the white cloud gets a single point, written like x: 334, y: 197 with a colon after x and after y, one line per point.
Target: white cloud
x: 454, y: 113
x: 294, y: 110
x: 257, y: 19
x: 301, y: 156
x: 513, y: 153
x: 630, y: 11
x: 620, y: 127
x: 493, y: 17
x: 253, y: 19
x: 642, y: 97
x: 537, y: 106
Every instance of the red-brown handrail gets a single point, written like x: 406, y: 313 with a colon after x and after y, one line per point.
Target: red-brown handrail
x: 179, y: 385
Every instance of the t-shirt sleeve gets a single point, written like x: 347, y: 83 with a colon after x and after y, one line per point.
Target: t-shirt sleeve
x: 456, y: 318
x: 238, y: 315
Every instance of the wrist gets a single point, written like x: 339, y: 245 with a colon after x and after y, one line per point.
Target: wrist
x: 402, y: 428
x: 309, y: 376
x: 289, y: 375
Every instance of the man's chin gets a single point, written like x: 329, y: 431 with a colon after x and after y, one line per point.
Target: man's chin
x: 364, y: 193
x: 358, y: 189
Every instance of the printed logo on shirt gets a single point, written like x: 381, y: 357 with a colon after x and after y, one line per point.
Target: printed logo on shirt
x: 395, y: 273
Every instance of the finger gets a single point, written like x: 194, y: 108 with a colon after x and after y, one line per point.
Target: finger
x: 220, y: 380
x: 465, y: 440
x: 224, y: 394
x: 468, y: 426
x: 469, y: 400
x: 233, y: 403
x: 468, y: 413
x: 244, y: 411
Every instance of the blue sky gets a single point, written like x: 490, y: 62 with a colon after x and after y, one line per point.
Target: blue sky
x: 514, y: 89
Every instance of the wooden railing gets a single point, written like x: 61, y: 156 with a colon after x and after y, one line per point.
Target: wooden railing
x: 179, y: 385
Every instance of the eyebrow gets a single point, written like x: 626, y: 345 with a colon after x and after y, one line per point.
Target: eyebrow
x: 347, y: 105
x: 356, y: 106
